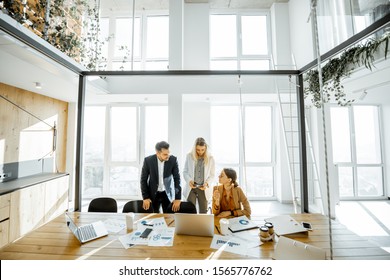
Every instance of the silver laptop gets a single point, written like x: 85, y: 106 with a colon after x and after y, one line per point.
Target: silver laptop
x: 87, y: 232
x: 194, y: 224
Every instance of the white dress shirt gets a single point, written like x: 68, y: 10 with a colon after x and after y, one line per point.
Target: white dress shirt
x: 160, y: 165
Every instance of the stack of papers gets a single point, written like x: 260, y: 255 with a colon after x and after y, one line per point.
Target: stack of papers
x: 237, y: 245
x: 160, y: 236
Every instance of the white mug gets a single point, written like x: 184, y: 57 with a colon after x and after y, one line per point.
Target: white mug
x: 130, y: 220
x: 224, y: 226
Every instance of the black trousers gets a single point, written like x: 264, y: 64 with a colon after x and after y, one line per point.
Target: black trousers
x: 161, y: 199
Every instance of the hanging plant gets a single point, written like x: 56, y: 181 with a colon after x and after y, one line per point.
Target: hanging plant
x: 339, y: 68
x: 65, y: 25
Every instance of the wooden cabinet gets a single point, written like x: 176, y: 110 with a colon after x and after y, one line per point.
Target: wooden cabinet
x: 4, y: 219
x: 33, y: 206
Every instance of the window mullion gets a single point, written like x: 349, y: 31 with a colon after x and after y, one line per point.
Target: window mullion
x: 107, y: 153
x: 144, y: 35
x: 353, y: 152
x: 239, y: 41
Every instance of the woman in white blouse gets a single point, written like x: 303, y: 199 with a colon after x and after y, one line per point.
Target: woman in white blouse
x: 199, y: 172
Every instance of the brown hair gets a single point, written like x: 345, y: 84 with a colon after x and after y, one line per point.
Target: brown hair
x: 231, y: 174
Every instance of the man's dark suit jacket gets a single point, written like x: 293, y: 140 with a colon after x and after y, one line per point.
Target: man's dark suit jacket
x: 149, y: 178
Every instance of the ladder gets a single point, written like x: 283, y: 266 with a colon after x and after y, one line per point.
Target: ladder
x: 288, y: 108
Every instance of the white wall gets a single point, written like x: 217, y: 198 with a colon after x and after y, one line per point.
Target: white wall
x: 176, y: 20
x: 281, y: 51
x: 196, y: 36
x: 300, y: 32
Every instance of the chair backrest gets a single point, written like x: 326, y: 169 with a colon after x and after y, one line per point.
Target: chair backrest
x: 103, y: 204
x: 136, y: 207
x: 185, y: 207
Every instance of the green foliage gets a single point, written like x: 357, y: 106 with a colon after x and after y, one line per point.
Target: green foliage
x: 85, y: 48
x: 339, y: 68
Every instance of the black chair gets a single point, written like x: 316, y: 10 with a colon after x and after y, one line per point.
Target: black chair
x: 103, y: 204
x: 185, y: 207
x: 136, y: 207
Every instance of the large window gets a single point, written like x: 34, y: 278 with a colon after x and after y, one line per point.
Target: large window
x: 114, y: 147
x: 239, y: 41
x: 357, y: 150
x: 255, y: 166
x: 148, y: 51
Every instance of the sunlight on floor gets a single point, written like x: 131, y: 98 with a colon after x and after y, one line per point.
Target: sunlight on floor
x: 381, y: 210
x: 361, y: 221
x: 387, y: 249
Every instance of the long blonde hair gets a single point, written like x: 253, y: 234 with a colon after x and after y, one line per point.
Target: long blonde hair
x: 200, y: 142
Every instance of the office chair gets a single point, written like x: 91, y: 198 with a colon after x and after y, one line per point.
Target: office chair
x: 185, y: 207
x: 103, y: 204
x: 136, y: 207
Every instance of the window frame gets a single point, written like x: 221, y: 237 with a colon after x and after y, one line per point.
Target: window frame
x: 241, y: 57
x: 142, y: 59
x: 108, y: 163
x: 353, y: 164
x: 240, y: 166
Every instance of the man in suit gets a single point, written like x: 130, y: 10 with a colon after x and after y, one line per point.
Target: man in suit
x: 160, y: 180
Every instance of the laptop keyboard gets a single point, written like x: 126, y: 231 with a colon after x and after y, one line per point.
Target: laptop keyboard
x: 88, y: 232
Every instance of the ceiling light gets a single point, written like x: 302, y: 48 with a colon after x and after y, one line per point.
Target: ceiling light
x: 363, y: 95
x: 38, y: 85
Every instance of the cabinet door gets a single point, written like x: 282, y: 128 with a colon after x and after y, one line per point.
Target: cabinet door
x: 4, y: 233
x: 27, y: 210
x: 56, y: 197
x: 4, y: 206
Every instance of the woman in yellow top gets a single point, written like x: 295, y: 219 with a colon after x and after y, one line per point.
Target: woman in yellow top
x: 228, y: 197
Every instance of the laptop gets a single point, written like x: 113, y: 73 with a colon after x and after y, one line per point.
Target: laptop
x: 194, y: 224
x: 87, y: 232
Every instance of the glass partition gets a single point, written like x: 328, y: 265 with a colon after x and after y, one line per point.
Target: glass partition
x: 245, y: 119
x: 338, y: 20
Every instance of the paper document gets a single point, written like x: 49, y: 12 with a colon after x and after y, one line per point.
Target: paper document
x: 133, y: 238
x: 162, y: 237
x: 114, y: 225
x: 156, y: 223
x: 236, y: 245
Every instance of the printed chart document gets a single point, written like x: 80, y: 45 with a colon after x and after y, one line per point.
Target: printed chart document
x: 235, y: 245
x: 241, y: 223
x: 162, y: 237
x: 156, y: 223
x: 114, y: 225
x: 133, y: 238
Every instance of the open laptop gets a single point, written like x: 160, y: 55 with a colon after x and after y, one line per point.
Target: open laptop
x: 87, y: 232
x: 194, y: 224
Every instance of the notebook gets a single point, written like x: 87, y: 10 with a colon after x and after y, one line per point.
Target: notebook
x: 87, y: 232
x: 285, y: 224
x: 289, y: 249
x: 194, y: 224
x: 240, y: 224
